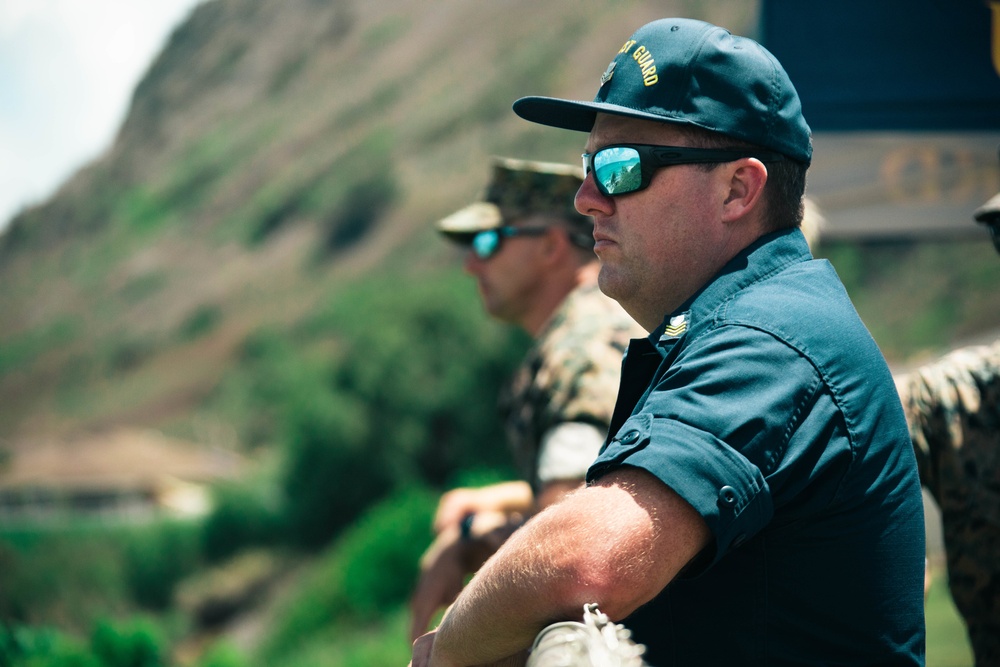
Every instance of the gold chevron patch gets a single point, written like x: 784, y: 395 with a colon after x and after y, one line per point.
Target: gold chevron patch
x: 677, y: 326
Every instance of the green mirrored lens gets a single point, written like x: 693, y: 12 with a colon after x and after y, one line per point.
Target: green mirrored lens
x: 618, y: 169
x: 485, y: 244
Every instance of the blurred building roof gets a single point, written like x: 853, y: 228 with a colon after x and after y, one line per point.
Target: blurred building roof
x: 123, y: 459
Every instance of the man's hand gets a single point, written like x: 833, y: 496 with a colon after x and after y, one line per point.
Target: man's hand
x: 422, y: 647
x: 453, y: 506
x: 505, y: 497
x: 442, y: 574
x: 449, y: 559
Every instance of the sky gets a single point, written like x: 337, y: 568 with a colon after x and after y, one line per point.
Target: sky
x: 67, y: 72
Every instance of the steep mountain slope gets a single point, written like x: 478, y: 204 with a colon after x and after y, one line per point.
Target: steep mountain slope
x: 277, y: 151
x: 272, y: 153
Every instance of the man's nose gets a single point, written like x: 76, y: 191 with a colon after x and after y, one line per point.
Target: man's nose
x: 589, y: 200
x: 472, y: 263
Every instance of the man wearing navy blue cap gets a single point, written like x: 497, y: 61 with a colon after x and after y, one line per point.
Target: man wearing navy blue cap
x: 757, y: 502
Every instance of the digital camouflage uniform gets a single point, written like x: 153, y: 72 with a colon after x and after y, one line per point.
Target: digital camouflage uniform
x: 952, y: 409
x: 571, y: 374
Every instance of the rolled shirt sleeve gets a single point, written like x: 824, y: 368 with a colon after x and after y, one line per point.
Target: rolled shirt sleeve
x: 731, y: 430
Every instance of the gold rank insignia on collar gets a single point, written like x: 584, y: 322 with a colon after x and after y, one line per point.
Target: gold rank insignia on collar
x: 676, y: 328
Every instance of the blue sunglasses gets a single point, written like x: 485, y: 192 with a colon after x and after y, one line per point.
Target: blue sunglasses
x: 486, y: 243
x: 623, y: 168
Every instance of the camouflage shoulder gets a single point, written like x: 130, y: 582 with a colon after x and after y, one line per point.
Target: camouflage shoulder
x: 957, y: 380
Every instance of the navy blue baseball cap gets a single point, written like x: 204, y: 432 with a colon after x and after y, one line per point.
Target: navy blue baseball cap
x: 693, y: 73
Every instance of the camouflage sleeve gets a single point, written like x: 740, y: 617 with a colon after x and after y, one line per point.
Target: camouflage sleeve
x: 582, y: 357
x: 570, y: 376
x: 952, y: 409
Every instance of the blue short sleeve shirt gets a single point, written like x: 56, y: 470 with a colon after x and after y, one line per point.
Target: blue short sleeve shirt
x: 767, y: 406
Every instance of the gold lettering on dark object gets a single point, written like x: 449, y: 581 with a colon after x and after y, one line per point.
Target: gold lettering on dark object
x: 647, y: 65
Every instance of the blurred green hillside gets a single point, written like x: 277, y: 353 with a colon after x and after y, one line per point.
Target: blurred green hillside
x: 251, y: 267
x: 277, y: 152
x: 273, y: 154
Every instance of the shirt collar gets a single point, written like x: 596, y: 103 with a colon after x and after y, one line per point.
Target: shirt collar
x: 764, y: 257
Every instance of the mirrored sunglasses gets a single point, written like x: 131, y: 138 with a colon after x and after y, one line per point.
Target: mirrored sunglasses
x: 485, y: 244
x: 623, y: 168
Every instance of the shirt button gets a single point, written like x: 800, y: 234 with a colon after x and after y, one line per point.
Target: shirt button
x: 629, y: 438
x: 727, y: 495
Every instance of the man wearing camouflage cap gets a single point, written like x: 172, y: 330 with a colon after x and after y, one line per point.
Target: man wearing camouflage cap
x: 952, y: 408
x: 532, y: 256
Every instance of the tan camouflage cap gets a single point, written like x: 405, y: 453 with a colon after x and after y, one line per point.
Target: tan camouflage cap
x: 989, y: 213
x: 519, y: 188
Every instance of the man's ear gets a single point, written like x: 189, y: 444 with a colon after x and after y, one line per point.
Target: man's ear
x: 556, y: 242
x: 746, y: 188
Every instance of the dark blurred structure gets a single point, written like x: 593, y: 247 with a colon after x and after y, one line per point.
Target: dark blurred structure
x: 903, y: 97
x: 890, y: 64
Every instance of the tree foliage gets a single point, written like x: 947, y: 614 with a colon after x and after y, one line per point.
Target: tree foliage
x: 370, y: 569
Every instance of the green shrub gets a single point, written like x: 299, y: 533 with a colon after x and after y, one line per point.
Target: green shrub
x: 273, y: 217
x: 132, y: 643
x: 22, y: 350
x: 369, y: 570
x: 158, y: 556
x: 918, y: 297
x: 70, y: 576
x: 135, y: 643
x: 397, y: 407
x: 22, y: 646
x: 63, y: 580
x: 222, y: 654
x: 127, y: 355
x: 270, y: 378
x: 142, y: 209
x: 245, y: 514
x: 380, y: 554
x: 362, y: 207
x: 334, y: 471
x: 201, y: 321
x: 366, y: 645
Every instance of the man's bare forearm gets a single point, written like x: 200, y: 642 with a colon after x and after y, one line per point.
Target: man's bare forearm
x: 597, y: 545
x: 516, y: 593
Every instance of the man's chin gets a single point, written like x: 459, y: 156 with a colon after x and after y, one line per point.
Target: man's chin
x: 608, y: 281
